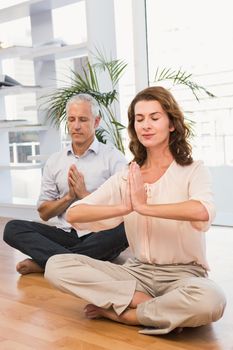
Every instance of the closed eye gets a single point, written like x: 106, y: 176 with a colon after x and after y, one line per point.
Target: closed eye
x: 139, y: 120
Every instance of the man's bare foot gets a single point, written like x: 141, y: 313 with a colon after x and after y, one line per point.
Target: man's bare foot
x: 127, y: 317
x: 28, y: 266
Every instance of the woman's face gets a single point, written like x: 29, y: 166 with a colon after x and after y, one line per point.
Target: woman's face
x: 152, y: 124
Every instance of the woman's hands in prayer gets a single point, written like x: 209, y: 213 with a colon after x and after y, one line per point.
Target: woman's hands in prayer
x: 135, y: 197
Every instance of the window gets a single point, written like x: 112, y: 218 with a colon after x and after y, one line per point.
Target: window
x: 69, y: 23
x: 40, y: 64
x: 197, y: 36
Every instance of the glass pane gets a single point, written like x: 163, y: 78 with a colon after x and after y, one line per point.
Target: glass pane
x: 17, y: 32
x: 26, y: 185
x: 198, y: 40
x: 11, y: 154
x: 23, y: 145
x: 73, y: 30
x: 23, y: 152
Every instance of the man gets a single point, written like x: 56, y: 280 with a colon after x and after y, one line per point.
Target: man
x: 69, y: 175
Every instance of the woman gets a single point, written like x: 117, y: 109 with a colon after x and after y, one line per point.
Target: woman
x: 165, y: 200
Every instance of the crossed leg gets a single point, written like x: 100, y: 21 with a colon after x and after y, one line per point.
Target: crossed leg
x: 129, y: 316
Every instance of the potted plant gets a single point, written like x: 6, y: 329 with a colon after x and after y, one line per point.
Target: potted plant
x: 87, y: 81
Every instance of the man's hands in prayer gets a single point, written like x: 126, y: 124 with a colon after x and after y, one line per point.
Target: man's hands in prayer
x: 77, y: 187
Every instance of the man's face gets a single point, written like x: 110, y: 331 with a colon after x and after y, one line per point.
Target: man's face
x: 81, y: 123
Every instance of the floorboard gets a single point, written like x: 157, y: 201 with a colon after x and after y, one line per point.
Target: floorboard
x: 33, y: 315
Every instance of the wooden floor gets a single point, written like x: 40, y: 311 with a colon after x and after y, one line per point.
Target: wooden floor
x: 33, y: 315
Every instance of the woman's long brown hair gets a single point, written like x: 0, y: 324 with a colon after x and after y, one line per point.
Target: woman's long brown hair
x: 178, y: 141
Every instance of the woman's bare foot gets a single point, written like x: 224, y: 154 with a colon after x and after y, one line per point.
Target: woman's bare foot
x: 178, y: 330
x: 127, y: 317
x: 28, y: 266
x: 92, y: 311
x: 138, y: 298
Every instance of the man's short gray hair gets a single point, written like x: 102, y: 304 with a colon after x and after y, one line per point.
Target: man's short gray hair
x: 87, y: 98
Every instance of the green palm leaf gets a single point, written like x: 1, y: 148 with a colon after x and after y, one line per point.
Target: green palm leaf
x: 179, y: 77
x: 87, y: 82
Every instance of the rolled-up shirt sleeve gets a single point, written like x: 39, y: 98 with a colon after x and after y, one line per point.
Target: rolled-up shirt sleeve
x: 110, y: 193
x: 49, y: 190
x: 200, y: 189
